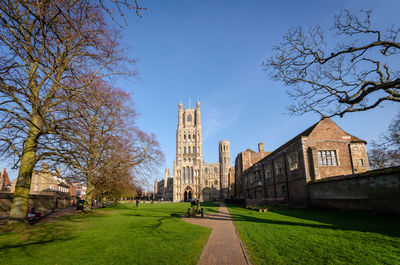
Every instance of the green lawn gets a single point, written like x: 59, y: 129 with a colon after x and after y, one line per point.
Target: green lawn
x: 311, y: 236
x: 150, y: 234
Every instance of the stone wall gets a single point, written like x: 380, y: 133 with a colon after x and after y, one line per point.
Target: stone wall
x: 377, y: 191
x: 42, y: 203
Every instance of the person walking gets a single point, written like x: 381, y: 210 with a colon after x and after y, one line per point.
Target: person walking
x: 137, y: 201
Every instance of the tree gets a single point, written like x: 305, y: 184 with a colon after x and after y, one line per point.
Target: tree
x: 50, y: 52
x: 357, y: 74
x: 382, y: 158
x: 101, y: 144
x: 386, y: 152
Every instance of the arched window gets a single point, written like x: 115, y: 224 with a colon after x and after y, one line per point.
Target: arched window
x: 188, y: 174
x: 216, y: 182
x: 189, y: 118
x: 206, y: 183
x: 184, y: 137
x: 184, y: 175
x: 215, y: 170
x: 206, y: 170
x: 191, y: 173
x: 189, y: 150
x: 184, y: 150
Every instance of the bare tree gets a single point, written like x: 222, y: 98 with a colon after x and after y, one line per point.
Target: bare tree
x: 45, y: 46
x: 386, y: 151
x: 101, y: 144
x: 382, y: 158
x: 358, y: 73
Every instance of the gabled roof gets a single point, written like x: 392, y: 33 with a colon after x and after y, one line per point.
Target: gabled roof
x: 308, y: 131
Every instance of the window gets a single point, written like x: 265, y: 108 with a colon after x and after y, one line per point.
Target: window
x: 51, y: 187
x: 215, y: 170
x: 184, y: 137
x: 189, y: 150
x: 293, y: 163
x: 278, y: 166
x: 189, y: 118
x: 284, y: 189
x: 216, y: 182
x: 327, y: 158
x: 184, y: 150
x: 268, y: 171
x: 361, y: 162
x: 206, y: 170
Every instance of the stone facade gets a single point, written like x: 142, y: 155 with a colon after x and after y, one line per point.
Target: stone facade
x: 322, y: 151
x: 192, y: 177
x: 163, y: 188
x: 46, y: 181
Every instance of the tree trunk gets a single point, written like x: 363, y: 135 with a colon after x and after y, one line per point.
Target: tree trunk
x: 87, y: 207
x: 20, y: 204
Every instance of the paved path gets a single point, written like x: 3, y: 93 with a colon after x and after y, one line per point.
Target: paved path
x: 224, y: 245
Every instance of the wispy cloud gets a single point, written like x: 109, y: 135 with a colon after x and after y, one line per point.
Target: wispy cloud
x: 217, y: 118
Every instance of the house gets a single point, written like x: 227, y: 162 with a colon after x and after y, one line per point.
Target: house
x: 243, y: 161
x: 321, y: 151
x: 45, y: 181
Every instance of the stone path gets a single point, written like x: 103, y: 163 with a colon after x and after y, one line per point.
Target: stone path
x: 223, y: 245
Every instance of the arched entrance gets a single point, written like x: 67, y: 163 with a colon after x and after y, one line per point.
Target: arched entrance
x: 187, y: 194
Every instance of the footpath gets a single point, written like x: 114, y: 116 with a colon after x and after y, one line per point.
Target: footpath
x: 223, y: 245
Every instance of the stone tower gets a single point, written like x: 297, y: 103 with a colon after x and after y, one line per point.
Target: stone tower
x: 224, y: 164
x: 166, y: 176
x: 189, y: 154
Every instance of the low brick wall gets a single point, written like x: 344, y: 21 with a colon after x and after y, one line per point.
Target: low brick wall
x: 263, y: 203
x: 42, y: 203
x: 376, y: 191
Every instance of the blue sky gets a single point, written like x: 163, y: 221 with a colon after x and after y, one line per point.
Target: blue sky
x: 212, y: 51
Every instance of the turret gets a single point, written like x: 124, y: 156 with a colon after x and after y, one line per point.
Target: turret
x: 166, y: 177
x: 180, y: 115
x: 224, y: 162
x: 198, y: 116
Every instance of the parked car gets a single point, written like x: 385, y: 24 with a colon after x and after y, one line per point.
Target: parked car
x: 79, y: 204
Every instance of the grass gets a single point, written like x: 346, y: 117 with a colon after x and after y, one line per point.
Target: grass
x: 149, y: 234
x: 312, y: 236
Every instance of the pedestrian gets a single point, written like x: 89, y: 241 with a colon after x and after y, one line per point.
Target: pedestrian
x: 74, y: 203
x: 137, y: 202
x: 152, y: 201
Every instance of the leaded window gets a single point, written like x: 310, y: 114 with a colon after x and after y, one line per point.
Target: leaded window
x: 327, y: 158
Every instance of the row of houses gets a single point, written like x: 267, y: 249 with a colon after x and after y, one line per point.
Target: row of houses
x: 319, y: 152
x: 45, y: 181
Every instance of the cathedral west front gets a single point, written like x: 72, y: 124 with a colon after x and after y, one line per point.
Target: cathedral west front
x: 192, y: 177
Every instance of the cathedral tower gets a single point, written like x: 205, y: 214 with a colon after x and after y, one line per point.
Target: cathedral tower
x: 224, y: 163
x: 189, y: 154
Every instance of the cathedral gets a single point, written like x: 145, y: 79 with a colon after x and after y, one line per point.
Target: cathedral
x: 192, y: 177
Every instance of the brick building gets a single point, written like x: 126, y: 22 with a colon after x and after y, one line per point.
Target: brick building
x: 321, y: 151
x: 5, y: 184
x: 243, y: 161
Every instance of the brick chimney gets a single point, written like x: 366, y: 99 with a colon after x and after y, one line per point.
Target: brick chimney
x: 260, y: 147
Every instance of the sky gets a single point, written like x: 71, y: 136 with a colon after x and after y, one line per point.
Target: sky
x: 212, y: 51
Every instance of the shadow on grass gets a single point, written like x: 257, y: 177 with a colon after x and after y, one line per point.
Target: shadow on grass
x: 39, y: 235
x: 329, y: 219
